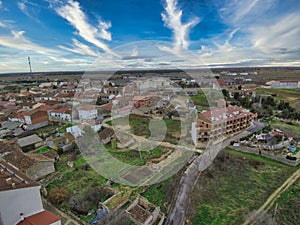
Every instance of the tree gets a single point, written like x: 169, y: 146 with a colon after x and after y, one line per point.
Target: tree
x: 57, y: 196
x: 225, y: 93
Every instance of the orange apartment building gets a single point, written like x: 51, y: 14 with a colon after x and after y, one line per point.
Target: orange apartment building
x: 218, y: 124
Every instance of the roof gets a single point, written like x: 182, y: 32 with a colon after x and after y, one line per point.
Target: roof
x: 32, y: 139
x: 106, y: 133
x: 51, y: 154
x: 45, y: 107
x: 8, y: 146
x: 87, y: 107
x: 217, y: 115
x: 18, y: 178
x: 42, y: 218
x: 62, y: 110
x: 24, y: 160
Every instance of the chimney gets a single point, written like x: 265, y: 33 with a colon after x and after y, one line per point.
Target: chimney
x: 21, y: 216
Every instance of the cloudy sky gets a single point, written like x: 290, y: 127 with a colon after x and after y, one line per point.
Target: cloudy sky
x: 73, y: 34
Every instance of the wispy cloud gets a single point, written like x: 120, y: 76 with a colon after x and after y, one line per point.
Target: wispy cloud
x: 2, y: 24
x: 29, y: 11
x: 71, y: 11
x: 17, y: 41
x: 80, y: 48
x: 172, y: 18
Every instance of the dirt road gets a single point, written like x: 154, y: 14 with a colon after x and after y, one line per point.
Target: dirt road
x: 257, y: 215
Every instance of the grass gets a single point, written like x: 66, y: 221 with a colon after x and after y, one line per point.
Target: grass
x: 42, y: 150
x: 139, y: 125
x: 160, y: 194
x: 291, y: 96
x: 288, y: 206
x: 233, y: 186
x: 77, y: 179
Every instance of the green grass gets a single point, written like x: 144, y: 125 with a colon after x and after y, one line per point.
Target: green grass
x: 235, y: 185
x: 291, y: 96
x: 42, y: 150
x: 77, y: 179
x: 160, y: 194
x: 288, y: 206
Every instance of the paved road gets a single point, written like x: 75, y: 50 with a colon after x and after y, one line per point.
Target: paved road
x: 271, y: 200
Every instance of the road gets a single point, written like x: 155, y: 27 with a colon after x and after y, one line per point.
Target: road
x: 271, y: 200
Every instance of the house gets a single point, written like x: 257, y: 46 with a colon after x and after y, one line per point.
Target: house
x: 52, y: 154
x: 35, y: 119
x: 87, y: 112
x: 35, y: 166
x: 21, y: 201
x: 142, y: 212
x: 30, y: 142
x: 63, y: 114
x: 106, y: 135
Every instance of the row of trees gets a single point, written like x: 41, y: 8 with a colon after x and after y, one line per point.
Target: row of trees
x: 266, y: 106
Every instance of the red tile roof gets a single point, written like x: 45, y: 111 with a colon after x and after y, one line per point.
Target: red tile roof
x: 87, y: 107
x: 42, y: 218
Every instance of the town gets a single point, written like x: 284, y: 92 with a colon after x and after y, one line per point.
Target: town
x: 86, y: 150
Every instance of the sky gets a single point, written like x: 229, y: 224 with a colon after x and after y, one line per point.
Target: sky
x: 70, y: 35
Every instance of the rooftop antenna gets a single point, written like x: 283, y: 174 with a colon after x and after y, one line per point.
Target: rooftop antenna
x: 29, y: 63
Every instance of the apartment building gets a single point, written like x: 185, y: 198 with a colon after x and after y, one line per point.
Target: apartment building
x: 218, y: 124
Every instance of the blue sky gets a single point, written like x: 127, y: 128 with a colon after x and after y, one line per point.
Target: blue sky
x: 73, y: 34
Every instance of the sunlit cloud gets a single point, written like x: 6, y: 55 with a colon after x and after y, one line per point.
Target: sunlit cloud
x: 80, y: 48
x: 172, y: 18
x: 71, y: 11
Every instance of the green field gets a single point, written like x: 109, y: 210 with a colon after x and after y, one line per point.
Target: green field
x: 77, y: 179
x: 233, y: 186
x: 288, y: 206
x: 139, y: 125
x: 291, y: 96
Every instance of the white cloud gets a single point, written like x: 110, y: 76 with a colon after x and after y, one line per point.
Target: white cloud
x: 80, y: 48
x: 2, y: 24
x: 29, y: 11
x: 134, y: 52
x: 172, y: 18
x: 72, y: 12
x: 281, y: 38
x: 18, y: 41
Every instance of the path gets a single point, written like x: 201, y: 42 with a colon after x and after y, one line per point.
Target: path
x: 271, y: 200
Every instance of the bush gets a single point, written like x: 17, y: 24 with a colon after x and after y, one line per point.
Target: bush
x: 58, y: 196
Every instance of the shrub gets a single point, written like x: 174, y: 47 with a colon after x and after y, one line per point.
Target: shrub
x: 57, y: 196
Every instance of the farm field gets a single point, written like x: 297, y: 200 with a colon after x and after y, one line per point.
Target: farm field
x: 233, y: 186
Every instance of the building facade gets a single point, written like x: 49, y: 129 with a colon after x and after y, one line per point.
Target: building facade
x: 218, y: 124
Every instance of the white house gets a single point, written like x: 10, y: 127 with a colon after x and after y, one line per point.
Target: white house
x: 21, y: 202
x: 87, y: 112
x: 63, y: 114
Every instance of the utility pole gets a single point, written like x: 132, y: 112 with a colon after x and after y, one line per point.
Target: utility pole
x: 29, y: 63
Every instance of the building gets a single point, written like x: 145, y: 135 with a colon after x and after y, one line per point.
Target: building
x: 63, y: 114
x: 30, y: 142
x: 292, y: 84
x: 35, y: 166
x: 87, y: 112
x: 218, y: 124
x: 36, y: 119
x: 21, y: 202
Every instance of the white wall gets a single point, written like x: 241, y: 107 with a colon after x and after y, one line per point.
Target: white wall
x: 24, y: 200
x: 87, y: 114
x: 27, y: 119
